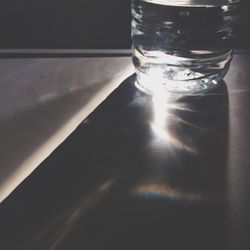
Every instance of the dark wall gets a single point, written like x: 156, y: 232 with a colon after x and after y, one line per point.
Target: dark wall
x: 77, y: 24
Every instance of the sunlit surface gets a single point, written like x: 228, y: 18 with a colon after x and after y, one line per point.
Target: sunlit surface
x: 53, y: 95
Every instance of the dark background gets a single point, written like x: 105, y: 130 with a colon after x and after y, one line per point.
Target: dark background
x: 81, y: 24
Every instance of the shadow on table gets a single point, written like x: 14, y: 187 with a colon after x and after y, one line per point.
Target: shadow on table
x: 139, y: 173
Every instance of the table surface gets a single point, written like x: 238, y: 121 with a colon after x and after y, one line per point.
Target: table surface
x: 135, y: 174
x: 43, y: 100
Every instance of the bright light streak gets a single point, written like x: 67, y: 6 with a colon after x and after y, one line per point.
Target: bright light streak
x: 165, y: 117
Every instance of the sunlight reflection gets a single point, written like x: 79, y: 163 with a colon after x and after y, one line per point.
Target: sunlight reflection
x: 163, y: 190
x: 161, y: 117
x: 153, y: 85
x: 74, y: 215
x: 166, y: 121
x: 59, y: 228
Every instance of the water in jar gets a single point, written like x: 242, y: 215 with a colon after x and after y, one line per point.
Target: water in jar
x: 182, y: 45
